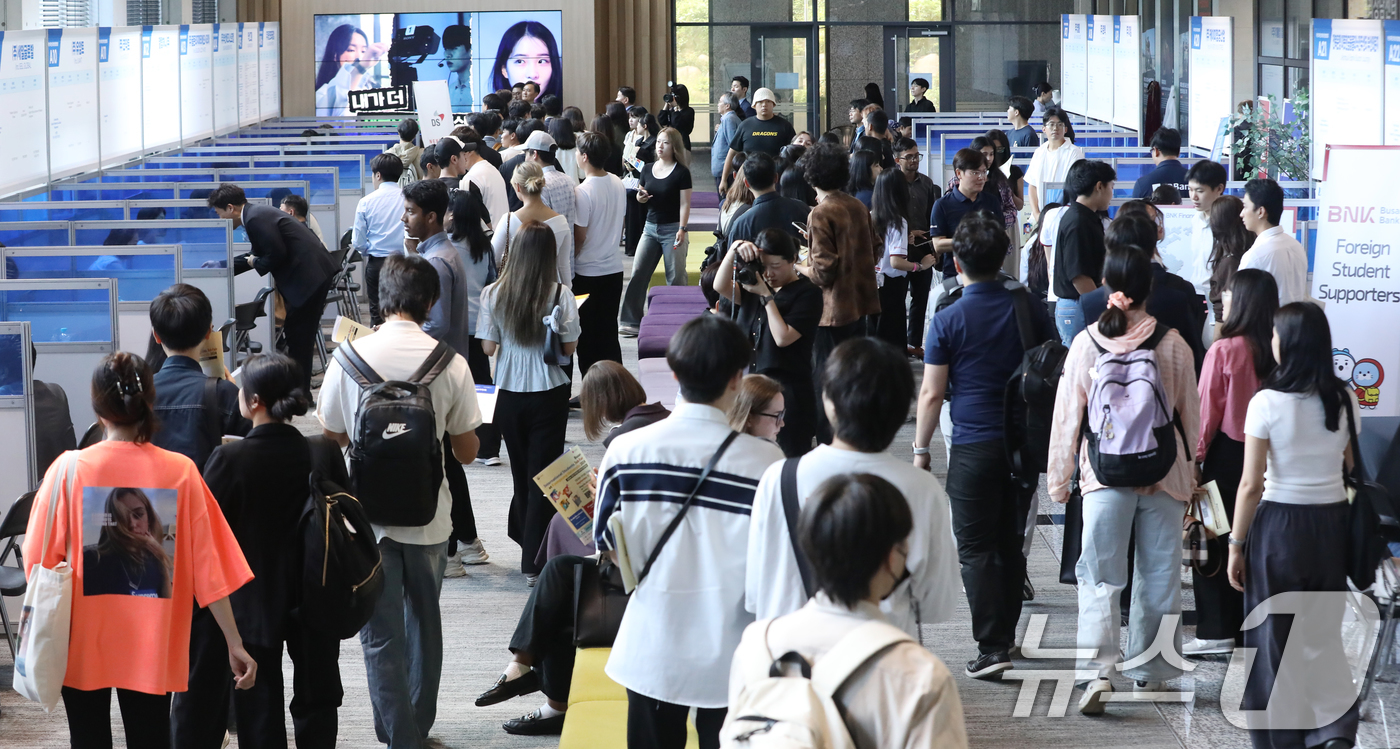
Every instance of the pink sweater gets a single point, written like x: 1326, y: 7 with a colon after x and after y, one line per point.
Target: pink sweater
x: 1228, y: 381
x: 1178, y: 372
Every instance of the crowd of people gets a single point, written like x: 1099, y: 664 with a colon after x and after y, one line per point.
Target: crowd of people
x: 764, y: 513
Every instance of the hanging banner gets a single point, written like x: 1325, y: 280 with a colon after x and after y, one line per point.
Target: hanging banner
x: 24, y: 160
x: 1392, y: 83
x: 1099, y: 44
x: 1358, y: 234
x: 119, y: 92
x: 1211, y: 92
x: 1127, y: 73
x: 225, y: 78
x: 160, y: 87
x: 196, y: 85
x: 72, y: 67
x: 1347, y: 89
x: 247, y: 74
x: 269, y: 71
x: 1074, y: 63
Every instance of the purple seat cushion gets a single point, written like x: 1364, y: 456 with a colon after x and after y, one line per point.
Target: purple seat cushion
x: 652, y: 344
x: 660, y: 386
x: 669, y: 318
x: 686, y: 292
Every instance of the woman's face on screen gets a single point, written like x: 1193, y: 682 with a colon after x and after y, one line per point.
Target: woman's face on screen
x: 529, y: 61
x: 133, y: 515
x: 356, y: 50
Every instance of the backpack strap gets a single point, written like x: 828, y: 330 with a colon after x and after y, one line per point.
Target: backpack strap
x: 685, y: 507
x: 433, y: 366
x: 851, y: 652
x: 354, y: 365
x: 788, y: 490
x: 212, y: 422
x: 1158, y: 334
x: 1021, y: 304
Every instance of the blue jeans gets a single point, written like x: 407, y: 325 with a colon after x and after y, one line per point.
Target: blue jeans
x: 1110, y: 515
x: 1069, y: 319
x: 658, y: 243
x: 403, y: 644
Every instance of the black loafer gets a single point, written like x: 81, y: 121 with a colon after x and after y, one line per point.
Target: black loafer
x: 505, y: 690
x: 531, y: 724
x: 989, y: 666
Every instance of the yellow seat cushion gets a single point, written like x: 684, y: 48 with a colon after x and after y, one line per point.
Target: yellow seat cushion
x: 589, y: 683
x: 699, y: 240
x: 603, y: 725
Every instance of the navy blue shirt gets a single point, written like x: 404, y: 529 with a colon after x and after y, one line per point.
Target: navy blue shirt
x: 1169, y: 172
x: 977, y: 338
x: 180, y: 410
x: 769, y: 211
x: 948, y: 212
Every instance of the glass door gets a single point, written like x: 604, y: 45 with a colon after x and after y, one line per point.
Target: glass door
x: 924, y: 52
x: 785, y: 60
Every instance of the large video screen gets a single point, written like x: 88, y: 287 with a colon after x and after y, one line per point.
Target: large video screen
x: 476, y: 53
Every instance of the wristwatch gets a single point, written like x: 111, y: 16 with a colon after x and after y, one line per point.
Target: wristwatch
x: 684, y: 228
x: 766, y: 299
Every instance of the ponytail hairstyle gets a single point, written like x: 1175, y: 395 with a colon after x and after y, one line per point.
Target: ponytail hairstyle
x: 124, y: 393
x: 276, y: 381
x: 1126, y: 271
x: 1305, y: 359
x: 528, y: 178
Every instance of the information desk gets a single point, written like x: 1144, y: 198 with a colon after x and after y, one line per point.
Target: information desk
x: 74, y: 324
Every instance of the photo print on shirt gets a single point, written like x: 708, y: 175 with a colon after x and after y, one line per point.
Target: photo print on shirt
x: 128, y: 541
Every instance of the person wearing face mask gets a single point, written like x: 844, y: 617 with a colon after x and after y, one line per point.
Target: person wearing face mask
x: 868, y: 388
x: 857, y: 529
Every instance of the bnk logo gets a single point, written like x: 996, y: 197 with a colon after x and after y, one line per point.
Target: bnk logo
x: 1346, y: 214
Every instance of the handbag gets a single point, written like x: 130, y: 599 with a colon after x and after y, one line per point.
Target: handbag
x: 599, y: 603
x: 1201, y: 549
x: 1073, y: 541
x: 1373, y: 520
x: 553, y: 344
x: 46, y: 617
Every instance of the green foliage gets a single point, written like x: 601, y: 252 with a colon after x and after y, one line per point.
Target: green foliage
x: 1283, y: 151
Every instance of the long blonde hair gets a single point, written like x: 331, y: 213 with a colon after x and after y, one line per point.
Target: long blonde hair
x: 527, y: 281
x: 673, y: 136
x: 755, y: 393
x: 116, y: 538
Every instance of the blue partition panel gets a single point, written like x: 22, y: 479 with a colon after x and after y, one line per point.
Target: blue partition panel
x: 201, y: 246
x: 35, y: 234
x: 103, y: 191
x: 106, y: 210
x: 139, y: 277
x: 61, y: 315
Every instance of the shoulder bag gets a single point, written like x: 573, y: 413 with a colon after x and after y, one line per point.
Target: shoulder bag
x: 1373, y: 520
x: 46, y: 618
x: 791, y: 512
x: 553, y: 344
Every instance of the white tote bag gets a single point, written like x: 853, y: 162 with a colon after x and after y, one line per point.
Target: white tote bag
x: 41, y: 660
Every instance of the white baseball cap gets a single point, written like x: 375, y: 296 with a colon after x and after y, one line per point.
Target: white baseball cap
x: 764, y: 94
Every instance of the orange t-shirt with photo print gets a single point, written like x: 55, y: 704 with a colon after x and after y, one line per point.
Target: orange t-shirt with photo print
x: 149, y: 540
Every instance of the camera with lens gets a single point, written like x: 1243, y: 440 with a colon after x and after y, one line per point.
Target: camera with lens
x: 748, y: 272
x: 669, y: 97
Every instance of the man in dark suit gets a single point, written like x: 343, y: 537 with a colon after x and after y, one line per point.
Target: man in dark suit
x: 297, y: 260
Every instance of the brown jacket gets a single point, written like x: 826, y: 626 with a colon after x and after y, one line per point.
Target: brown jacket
x: 843, y: 259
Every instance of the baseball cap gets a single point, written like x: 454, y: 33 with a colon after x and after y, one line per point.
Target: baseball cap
x: 539, y: 141
x: 764, y: 93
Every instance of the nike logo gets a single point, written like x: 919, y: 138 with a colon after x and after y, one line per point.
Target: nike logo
x: 395, y: 430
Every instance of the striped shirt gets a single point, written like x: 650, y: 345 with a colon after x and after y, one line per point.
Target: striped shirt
x: 685, y: 620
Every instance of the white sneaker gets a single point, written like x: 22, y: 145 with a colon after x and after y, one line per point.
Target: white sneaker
x: 454, y: 565
x: 530, y: 580
x: 227, y: 739
x: 1197, y: 646
x: 472, y: 553
x: 491, y: 461
x: 1146, y: 690
x: 1093, y: 700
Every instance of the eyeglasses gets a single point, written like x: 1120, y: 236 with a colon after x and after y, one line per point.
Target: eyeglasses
x: 910, y: 157
x: 775, y: 417
x: 1053, y: 123
x: 978, y: 175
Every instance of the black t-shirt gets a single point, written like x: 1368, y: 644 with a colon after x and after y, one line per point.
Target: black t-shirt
x: 664, y: 207
x: 923, y: 105
x: 800, y: 304
x: 1079, y: 249
x: 768, y: 136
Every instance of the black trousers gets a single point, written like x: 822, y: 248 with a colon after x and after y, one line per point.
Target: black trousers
x: 633, y: 224
x: 800, y: 417
x: 546, y: 628
x: 480, y: 365
x: 597, y: 319
x: 1219, y: 607
x: 199, y: 716
x: 919, y: 284
x: 828, y: 338
x: 463, y: 518
x: 300, y: 329
x: 533, y: 426
x: 890, y: 325
x: 989, y: 517
x: 145, y: 717
x: 372, y: 265
x: 661, y: 725
x: 1298, y: 548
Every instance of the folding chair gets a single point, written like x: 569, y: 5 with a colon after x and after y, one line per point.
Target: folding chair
x: 12, y: 580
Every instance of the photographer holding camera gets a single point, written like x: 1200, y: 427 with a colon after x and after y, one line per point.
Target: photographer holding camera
x: 677, y: 112
x: 779, y: 309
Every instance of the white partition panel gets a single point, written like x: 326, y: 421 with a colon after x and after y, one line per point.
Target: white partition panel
x: 1127, y: 72
x: 247, y: 74
x: 17, y: 474
x: 24, y: 158
x: 225, y: 78
x: 270, y: 71
x: 119, y: 92
x: 1212, y: 93
x: 1347, y: 86
x: 1099, y: 53
x: 1392, y: 83
x: 1074, y: 74
x: 72, y: 68
x: 160, y: 87
x: 196, y: 82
